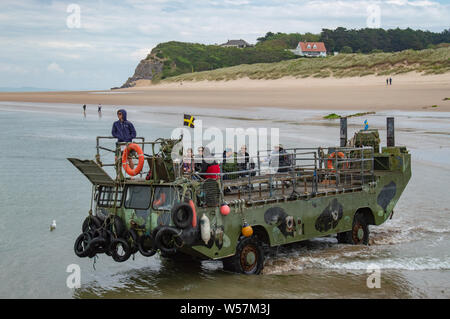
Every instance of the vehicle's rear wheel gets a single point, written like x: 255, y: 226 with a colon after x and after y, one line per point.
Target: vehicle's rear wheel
x: 360, y: 230
x: 249, y: 257
x: 359, y: 235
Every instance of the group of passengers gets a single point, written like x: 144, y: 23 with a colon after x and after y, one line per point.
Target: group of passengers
x: 233, y: 164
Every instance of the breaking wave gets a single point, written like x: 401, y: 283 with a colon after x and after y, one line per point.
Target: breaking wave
x: 391, y: 235
x: 337, y: 263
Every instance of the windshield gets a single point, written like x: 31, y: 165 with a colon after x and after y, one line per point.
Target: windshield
x: 138, y: 197
x: 165, y: 197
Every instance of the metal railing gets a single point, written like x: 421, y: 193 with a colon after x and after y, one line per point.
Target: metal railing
x: 303, y: 170
x: 269, y: 173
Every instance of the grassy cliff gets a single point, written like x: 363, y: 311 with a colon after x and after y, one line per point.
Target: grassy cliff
x: 429, y: 61
x: 180, y: 57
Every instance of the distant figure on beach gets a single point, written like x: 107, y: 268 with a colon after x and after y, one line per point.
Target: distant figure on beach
x: 100, y: 110
x: 387, y: 81
x: 390, y: 81
x: 124, y: 131
x: 84, y: 110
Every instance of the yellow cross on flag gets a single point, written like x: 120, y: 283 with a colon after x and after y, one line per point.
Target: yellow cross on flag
x: 189, y: 120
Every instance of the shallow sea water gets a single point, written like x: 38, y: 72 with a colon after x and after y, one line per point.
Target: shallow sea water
x: 38, y: 184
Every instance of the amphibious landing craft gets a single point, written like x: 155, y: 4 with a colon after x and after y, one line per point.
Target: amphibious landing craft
x: 235, y: 215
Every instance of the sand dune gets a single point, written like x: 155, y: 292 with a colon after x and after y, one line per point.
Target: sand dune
x: 409, y: 92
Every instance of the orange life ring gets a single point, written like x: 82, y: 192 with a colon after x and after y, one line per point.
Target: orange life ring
x: 333, y: 155
x: 126, y: 166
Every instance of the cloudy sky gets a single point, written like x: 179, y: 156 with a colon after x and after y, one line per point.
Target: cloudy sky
x: 44, y: 44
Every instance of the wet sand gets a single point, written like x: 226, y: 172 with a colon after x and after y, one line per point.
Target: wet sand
x: 409, y: 92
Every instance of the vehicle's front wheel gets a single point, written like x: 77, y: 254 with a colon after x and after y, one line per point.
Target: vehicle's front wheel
x: 249, y: 257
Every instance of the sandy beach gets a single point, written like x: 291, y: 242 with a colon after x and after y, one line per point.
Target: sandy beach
x: 409, y: 92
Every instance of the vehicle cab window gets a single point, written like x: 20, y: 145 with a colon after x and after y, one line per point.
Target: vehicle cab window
x: 165, y: 197
x: 138, y: 197
x: 106, y: 197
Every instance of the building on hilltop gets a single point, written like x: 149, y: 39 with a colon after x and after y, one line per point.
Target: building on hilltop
x: 236, y: 44
x: 311, y: 49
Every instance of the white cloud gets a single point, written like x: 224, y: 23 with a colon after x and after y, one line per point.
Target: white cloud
x: 114, y: 36
x: 65, y: 45
x: 140, y: 54
x: 54, y: 67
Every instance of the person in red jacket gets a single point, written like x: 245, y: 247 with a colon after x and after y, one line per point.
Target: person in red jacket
x: 209, y: 165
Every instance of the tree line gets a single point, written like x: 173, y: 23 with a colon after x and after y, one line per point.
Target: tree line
x: 364, y: 40
x: 182, y: 57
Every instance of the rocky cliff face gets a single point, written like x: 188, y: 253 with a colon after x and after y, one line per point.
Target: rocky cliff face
x: 145, y: 70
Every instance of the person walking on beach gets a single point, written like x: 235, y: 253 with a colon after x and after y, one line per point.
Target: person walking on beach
x: 387, y: 81
x: 84, y: 110
x: 124, y: 131
x: 100, y: 110
x: 390, y: 81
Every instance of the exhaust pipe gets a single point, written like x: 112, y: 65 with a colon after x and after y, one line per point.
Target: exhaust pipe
x: 343, y: 131
x: 390, y: 132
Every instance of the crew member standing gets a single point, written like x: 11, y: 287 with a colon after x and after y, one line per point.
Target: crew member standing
x: 124, y: 131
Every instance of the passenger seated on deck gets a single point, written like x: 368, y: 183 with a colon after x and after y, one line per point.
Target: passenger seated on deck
x: 209, y: 165
x: 188, y: 161
x: 280, y: 159
x: 198, y: 159
x: 230, y: 164
x: 244, y: 161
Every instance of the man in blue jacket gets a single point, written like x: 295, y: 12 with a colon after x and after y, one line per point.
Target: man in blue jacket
x: 124, y: 131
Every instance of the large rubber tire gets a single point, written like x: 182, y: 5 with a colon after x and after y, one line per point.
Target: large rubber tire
x: 114, y: 248
x: 81, y: 246
x: 249, y: 257
x: 97, y: 246
x: 167, y: 240
x: 182, y: 215
x: 143, y: 246
x: 91, y: 223
x: 360, y: 230
x: 359, y: 235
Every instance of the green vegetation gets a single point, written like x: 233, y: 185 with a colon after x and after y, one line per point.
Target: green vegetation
x: 288, y: 40
x: 434, y: 106
x: 429, y: 61
x: 347, y: 49
x: 393, y: 40
x: 333, y: 116
x: 446, y: 99
x: 180, y: 57
x: 365, y: 40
